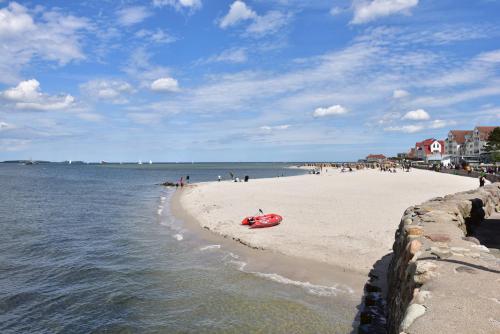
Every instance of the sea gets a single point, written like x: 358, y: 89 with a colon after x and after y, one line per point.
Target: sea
x: 96, y: 249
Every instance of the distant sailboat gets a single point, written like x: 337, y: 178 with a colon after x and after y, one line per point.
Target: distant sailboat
x: 69, y: 162
x: 140, y: 162
x: 150, y: 162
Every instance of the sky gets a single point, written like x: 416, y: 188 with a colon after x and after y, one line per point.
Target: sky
x: 246, y: 80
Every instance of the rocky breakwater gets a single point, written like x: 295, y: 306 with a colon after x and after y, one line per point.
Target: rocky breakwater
x: 440, y: 278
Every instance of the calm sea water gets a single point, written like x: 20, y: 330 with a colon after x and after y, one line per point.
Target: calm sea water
x: 94, y: 249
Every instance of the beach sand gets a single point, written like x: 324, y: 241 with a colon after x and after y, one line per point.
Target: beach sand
x: 346, y: 220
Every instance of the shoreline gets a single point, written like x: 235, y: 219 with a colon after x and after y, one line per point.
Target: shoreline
x: 357, y: 224
x: 260, y: 260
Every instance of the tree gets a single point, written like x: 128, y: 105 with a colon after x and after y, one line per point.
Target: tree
x: 493, y: 144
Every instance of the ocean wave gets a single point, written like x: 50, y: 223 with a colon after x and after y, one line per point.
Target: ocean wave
x: 314, y: 289
x: 210, y: 247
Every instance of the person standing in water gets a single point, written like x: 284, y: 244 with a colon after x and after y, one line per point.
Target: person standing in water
x: 481, y: 180
x: 219, y: 178
x: 187, y: 179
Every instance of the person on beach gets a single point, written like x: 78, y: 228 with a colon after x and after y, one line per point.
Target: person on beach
x: 481, y: 180
x: 219, y: 178
x: 187, y: 179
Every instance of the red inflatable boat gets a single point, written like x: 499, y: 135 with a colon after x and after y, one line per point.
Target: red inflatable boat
x: 268, y: 220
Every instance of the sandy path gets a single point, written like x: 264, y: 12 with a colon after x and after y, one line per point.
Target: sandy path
x: 343, y: 219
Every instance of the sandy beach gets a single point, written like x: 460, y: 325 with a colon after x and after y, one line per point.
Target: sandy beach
x: 341, y: 219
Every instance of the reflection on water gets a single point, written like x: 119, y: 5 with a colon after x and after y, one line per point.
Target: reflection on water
x: 95, y: 249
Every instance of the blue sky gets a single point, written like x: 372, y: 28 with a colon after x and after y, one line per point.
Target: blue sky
x: 253, y: 80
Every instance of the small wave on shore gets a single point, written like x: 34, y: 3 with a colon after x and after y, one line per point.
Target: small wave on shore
x: 210, y: 247
x: 314, y: 289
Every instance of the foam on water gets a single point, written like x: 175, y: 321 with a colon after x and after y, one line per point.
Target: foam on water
x: 178, y: 237
x: 314, y: 289
x: 210, y: 247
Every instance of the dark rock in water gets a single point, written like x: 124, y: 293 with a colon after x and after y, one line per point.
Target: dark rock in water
x: 168, y: 184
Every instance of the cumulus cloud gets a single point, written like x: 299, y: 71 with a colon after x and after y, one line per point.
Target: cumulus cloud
x: 269, y: 23
x: 179, y: 4
x: 132, y: 15
x: 27, y: 95
x: 366, y: 11
x: 114, y: 91
x: 330, y: 111
x: 417, y: 115
x: 400, y: 93
x: 52, y: 36
x: 165, y: 85
x: 238, y: 11
x: 260, y: 25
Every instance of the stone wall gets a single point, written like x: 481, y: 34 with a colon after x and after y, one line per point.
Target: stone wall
x: 490, y: 177
x: 435, y: 230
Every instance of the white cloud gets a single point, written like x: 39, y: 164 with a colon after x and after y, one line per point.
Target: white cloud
x: 269, y: 23
x: 234, y: 55
x: 49, y: 36
x: 132, y: 15
x: 417, y: 115
x: 439, y: 123
x: 389, y: 118
x: 107, y: 90
x: 400, y: 93
x: 457, y: 97
x: 260, y: 25
x: 330, y: 111
x: 4, y: 126
x: 412, y: 128
x: 366, y: 11
x: 156, y: 36
x: 27, y: 95
x: 238, y: 11
x: 141, y: 68
x: 406, y: 128
x: 179, y: 4
x: 165, y: 85
x: 276, y: 127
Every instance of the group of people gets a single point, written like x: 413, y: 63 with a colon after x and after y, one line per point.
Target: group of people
x: 234, y: 178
